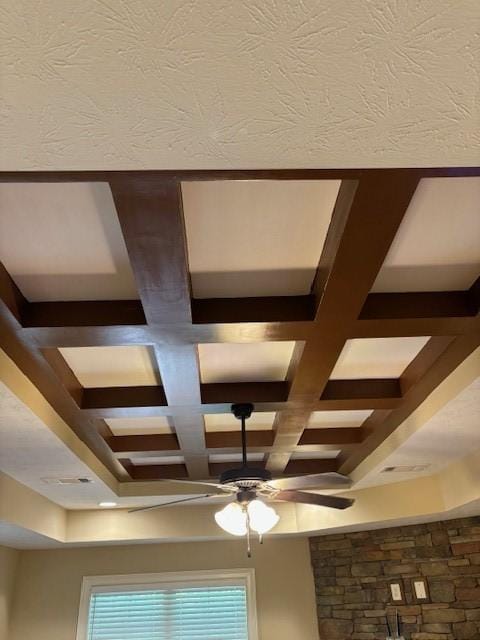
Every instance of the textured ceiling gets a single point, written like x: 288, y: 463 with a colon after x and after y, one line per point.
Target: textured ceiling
x: 30, y: 453
x: 222, y: 83
x: 449, y: 435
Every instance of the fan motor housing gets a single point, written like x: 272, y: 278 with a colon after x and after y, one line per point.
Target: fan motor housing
x: 246, y: 475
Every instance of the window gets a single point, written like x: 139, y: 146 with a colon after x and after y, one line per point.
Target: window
x: 209, y: 605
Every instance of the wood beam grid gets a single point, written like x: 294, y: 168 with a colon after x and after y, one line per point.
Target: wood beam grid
x: 150, y: 212
x: 151, y: 218
x: 354, y: 251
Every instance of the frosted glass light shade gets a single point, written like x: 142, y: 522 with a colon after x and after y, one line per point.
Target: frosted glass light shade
x: 232, y: 519
x: 262, y: 517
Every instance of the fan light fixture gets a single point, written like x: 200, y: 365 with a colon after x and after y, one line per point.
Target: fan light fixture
x: 247, y: 513
x: 236, y: 518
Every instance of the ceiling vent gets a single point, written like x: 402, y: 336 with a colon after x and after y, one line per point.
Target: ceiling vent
x: 66, y: 480
x: 413, y: 468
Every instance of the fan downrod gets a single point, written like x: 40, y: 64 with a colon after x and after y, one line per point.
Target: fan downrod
x: 244, y: 477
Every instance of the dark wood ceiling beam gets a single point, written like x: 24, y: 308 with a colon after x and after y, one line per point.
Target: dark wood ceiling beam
x: 436, y: 304
x: 225, y: 174
x: 123, y: 397
x: 412, y: 327
x: 151, y: 442
x: 376, y: 388
x: 267, y: 309
x: 336, y: 436
x: 354, y: 251
x: 230, y: 392
x: 151, y: 217
x: 178, y: 333
x: 415, y: 314
x: 155, y: 471
x: 95, y: 313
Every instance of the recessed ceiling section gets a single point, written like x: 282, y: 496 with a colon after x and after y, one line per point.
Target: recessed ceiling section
x: 253, y: 362
x: 139, y: 426
x: 31, y: 453
x: 112, y: 366
x: 451, y: 434
x: 437, y: 247
x: 377, y: 357
x: 62, y: 241
x: 255, y: 237
x: 338, y: 419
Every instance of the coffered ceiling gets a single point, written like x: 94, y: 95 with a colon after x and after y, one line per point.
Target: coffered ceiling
x: 142, y: 305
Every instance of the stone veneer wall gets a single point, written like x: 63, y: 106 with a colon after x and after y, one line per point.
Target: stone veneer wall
x: 352, y: 573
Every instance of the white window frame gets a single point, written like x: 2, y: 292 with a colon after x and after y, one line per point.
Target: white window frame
x: 174, y: 580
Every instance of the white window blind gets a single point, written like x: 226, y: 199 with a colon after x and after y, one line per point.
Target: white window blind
x: 205, y: 609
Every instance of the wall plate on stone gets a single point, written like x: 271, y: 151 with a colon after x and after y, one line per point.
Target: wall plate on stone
x: 420, y: 591
x: 397, y: 592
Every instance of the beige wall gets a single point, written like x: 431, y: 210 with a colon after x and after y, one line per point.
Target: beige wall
x: 48, y: 583
x: 8, y: 566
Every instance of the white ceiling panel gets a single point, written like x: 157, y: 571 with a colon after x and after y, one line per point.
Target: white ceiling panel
x: 112, y: 366
x: 260, y: 421
x: 377, y: 357
x: 335, y: 419
x: 256, y: 238
x: 437, y: 247
x: 252, y: 362
x: 63, y: 242
x: 139, y: 426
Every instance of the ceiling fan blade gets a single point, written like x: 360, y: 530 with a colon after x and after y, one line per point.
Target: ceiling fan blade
x: 166, y: 504
x: 314, y: 481
x: 334, y: 502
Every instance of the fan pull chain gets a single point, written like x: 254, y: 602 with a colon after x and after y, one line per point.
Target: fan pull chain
x: 249, y: 548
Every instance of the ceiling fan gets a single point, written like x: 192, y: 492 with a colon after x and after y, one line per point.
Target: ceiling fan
x: 250, y: 483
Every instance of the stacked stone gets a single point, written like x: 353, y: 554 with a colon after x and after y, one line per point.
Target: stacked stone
x: 353, y: 571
